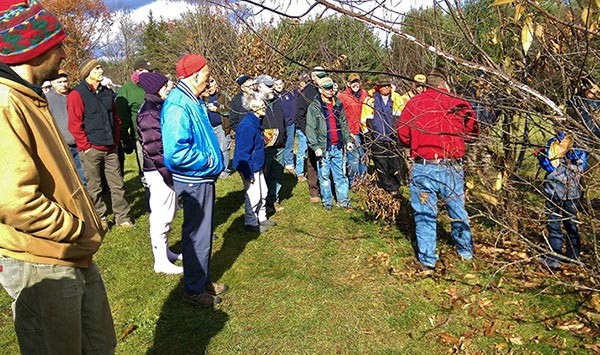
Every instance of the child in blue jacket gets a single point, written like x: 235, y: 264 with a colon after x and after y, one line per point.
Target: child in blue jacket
x: 564, y: 165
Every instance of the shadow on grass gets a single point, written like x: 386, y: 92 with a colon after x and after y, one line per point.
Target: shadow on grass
x: 288, y: 184
x: 226, y: 206
x: 235, y: 240
x: 185, y: 329
x: 135, y: 194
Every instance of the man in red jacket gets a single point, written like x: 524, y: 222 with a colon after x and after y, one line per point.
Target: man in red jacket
x: 95, y: 125
x: 353, y: 98
x: 435, y: 125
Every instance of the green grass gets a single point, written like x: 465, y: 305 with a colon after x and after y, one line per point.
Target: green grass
x: 320, y: 282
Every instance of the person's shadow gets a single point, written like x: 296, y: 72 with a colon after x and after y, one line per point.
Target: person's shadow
x: 185, y: 329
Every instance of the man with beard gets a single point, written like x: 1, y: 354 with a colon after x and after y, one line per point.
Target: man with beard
x: 49, y: 231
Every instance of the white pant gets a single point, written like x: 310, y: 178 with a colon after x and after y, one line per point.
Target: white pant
x: 256, y: 194
x: 163, y: 205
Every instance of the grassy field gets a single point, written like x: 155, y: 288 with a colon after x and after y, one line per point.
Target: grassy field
x: 333, y: 282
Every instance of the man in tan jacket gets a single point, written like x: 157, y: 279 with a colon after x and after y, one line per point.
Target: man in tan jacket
x: 48, y: 228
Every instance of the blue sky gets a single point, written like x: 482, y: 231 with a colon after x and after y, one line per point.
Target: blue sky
x: 131, y: 4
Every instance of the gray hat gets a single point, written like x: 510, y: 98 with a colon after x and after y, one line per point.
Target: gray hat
x: 326, y: 83
x: 265, y: 79
x: 319, y: 72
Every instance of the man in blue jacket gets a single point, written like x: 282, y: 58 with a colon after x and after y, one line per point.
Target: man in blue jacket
x: 193, y: 155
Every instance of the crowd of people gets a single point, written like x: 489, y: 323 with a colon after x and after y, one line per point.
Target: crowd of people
x: 63, y: 147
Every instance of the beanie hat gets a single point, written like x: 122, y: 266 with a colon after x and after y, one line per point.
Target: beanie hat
x: 152, y: 82
x: 86, y: 67
x: 240, y: 80
x: 190, y: 64
x: 27, y: 30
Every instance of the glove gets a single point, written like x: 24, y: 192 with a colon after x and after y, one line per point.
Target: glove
x: 318, y: 153
x: 128, y: 146
x: 349, y: 146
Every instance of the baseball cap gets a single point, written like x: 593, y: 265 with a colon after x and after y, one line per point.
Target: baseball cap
x: 144, y: 64
x: 326, y: 83
x: 353, y: 77
x: 265, y: 79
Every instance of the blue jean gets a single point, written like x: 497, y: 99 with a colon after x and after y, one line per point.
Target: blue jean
x: 196, y: 233
x: 224, y: 143
x: 301, y: 153
x: 273, y: 173
x: 356, y: 167
x: 426, y: 183
x: 332, y: 163
x: 563, y: 212
x: 288, y: 153
x: 58, y: 309
x: 78, y: 165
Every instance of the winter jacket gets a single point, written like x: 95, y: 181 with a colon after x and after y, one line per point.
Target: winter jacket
x: 563, y: 175
x: 46, y: 215
x: 275, y: 119
x: 353, y: 106
x: 150, y: 137
x: 93, y: 119
x: 435, y: 125
x: 249, y: 152
x: 288, y: 103
x: 306, y: 96
x: 382, y: 119
x: 191, y: 149
x: 318, y: 132
x: 128, y: 101
x: 236, y: 111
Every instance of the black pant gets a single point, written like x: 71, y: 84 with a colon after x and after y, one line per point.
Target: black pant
x: 388, y: 164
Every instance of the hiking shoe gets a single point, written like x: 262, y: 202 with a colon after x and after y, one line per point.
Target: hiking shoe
x: 256, y: 229
x: 201, y: 299
x: 328, y: 207
x: 424, y: 268
x: 216, y: 288
x: 550, y: 263
x: 315, y: 199
x: 268, y: 223
x: 126, y: 224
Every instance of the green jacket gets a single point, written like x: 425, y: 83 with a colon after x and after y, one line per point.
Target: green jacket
x: 317, y: 126
x: 129, y: 100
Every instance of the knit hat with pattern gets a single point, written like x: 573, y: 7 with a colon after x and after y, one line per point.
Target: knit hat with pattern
x: 27, y: 30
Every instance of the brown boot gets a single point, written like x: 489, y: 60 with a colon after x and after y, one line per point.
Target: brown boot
x: 201, y: 299
x: 216, y: 288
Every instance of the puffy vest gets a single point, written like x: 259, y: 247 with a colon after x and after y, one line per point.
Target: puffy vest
x: 98, y: 120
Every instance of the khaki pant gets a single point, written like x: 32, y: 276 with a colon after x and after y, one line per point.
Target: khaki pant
x: 98, y: 162
x: 58, y: 309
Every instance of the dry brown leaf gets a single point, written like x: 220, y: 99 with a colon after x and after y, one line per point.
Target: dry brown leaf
x: 595, y: 300
x: 594, y: 348
x: 447, y: 339
x: 516, y: 340
x: 518, y: 11
x: 501, y: 346
x: 490, y: 328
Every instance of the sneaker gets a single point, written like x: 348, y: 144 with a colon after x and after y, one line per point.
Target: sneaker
x: 201, y: 299
x: 315, y: 199
x: 291, y: 169
x: 167, y: 268
x: 216, y: 288
x: 301, y: 178
x: 550, y: 262
x: 278, y: 207
x: 423, y: 267
x: 268, y: 223
x: 328, y: 207
x: 126, y: 224
x: 256, y: 229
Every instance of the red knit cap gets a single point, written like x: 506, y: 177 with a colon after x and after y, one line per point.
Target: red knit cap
x: 190, y: 64
x: 27, y: 30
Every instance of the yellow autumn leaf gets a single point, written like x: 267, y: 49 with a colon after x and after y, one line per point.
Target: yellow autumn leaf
x: 499, y: 181
x: 597, y: 3
x: 527, y: 35
x: 502, y: 2
x: 587, y: 16
x: 519, y: 11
